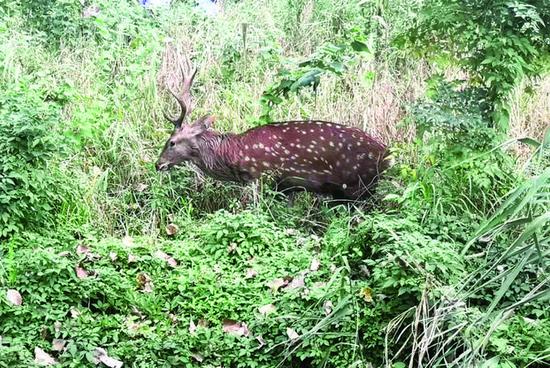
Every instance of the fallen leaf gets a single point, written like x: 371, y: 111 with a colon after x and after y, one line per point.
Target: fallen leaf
x: 366, y: 293
x: 113, y: 256
x: 43, y: 358
x: 101, y: 356
x: 14, y: 297
x: 231, y: 247
x: 57, y: 326
x: 314, y: 264
x: 327, y: 306
x: 296, y: 283
x: 82, y: 249
x: 144, y: 282
x: 235, y: 328
x: 277, y: 284
x: 132, y: 258
x: 293, y: 335
x: 75, y: 313
x: 250, y: 273
x: 128, y: 241
x: 171, y: 229
x: 267, y: 309
x: 169, y: 259
x: 64, y: 254
x: 173, y: 317
x: 192, y: 327
x: 58, y: 344
x: 81, y: 273
x: 198, y: 357
x: 203, y: 323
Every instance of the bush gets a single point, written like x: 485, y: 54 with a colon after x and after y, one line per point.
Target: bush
x: 30, y: 147
x: 497, y: 42
x: 456, y: 166
x: 53, y: 21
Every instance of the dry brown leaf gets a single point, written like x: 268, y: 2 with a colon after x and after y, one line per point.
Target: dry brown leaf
x: 172, y: 229
x: 58, y: 344
x: 198, y: 357
x: 267, y: 309
x: 169, y: 259
x: 297, y: 282
x: 172, y: 262
x: 81, y: 273
x: 144, y: 282
x: 366, y: 293
x: 327, y: 306
x: 82, y: 249
x: 113, y: 256
x: 203, y: 323
x: 64, y: 254
x: 13, y: 297
x: 250, y: 273
x: 235, y: 328
x: 42, y: 358
x: 101, y: 356
x: 314, y: 264
x: 132, y: 258
x: 277, y: 284
x: 293, y: 335
x: 192, y: 327
x: 75, y: 313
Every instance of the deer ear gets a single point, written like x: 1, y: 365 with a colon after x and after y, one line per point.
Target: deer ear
x: 204, y: 123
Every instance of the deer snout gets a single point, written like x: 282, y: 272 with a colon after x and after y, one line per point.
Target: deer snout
x: 162, y: 166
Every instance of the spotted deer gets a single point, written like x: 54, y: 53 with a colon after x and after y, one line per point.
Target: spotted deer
x: 318, y: 156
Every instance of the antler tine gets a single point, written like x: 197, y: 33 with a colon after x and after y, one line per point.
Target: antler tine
x: 179, y: 120
x: 188, y: 74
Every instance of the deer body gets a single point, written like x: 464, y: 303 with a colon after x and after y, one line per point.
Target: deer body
x: 318, y: 156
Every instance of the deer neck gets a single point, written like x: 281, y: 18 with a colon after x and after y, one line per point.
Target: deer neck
x: 217, y: 156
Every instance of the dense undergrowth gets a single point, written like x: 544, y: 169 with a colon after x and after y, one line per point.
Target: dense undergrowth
x: 447, y: 264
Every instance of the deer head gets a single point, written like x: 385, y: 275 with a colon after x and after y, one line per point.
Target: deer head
x: 183, y: 142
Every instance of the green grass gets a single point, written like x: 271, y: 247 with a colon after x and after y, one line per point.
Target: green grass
x: 445, y: 266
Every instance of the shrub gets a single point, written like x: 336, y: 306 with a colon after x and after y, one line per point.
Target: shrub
x: 33, y: 188
x: 497, y: 42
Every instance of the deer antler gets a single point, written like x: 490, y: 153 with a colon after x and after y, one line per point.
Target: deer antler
x: 188, y: 74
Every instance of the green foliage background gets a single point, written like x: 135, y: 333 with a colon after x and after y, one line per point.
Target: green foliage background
x: 447, y: 265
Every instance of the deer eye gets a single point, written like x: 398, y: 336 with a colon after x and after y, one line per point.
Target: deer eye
x: 172, y: 143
